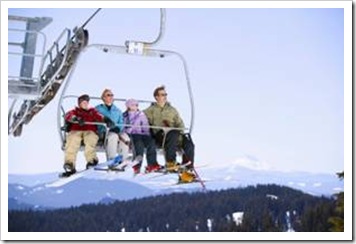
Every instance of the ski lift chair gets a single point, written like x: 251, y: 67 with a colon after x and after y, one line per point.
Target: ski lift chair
x: 144, y: 50
x: 151, y: 53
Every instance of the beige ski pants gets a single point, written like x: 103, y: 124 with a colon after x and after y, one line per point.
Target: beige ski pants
x: 73, y: 144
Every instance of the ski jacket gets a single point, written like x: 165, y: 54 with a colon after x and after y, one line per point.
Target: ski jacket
x: 166, y: 116
x: 114, y: 113
x: 136, y: 119
x: 90, y: 115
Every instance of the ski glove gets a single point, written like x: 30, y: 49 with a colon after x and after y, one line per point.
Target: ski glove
x: 115, y: 130
x: 80, y: 121
x: 73, y: 119
x: 109, y: 123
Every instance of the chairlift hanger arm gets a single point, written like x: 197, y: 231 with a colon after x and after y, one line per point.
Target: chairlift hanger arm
x: 161, y: 29
x: 144, y: 45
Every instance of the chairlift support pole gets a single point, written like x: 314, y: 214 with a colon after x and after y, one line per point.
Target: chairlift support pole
x: 48, y: 82
x: 33, y: 25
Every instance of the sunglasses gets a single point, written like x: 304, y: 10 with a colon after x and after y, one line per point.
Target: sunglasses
x: 109, y: 95
x: 163, y: 94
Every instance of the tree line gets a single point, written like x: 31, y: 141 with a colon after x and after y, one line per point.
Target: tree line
x: 265, y: 208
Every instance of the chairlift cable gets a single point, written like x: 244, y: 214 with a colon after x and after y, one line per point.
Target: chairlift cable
x: 90, y: 18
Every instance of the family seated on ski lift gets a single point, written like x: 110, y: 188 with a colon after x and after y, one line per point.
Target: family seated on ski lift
x: 132, y: 126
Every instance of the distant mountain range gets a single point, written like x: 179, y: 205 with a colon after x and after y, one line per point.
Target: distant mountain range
x: 76, y: 193
x: 33, y: 191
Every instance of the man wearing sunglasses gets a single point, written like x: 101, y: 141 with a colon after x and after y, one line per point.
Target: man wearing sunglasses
x: 162, y: 114
x: 117, y: 141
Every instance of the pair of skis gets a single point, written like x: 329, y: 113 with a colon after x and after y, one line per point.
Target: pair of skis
x: 115, y: 164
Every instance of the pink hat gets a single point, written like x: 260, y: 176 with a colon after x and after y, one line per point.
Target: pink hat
x: 131, y: 102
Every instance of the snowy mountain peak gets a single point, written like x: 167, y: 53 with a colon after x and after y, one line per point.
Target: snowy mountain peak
x: 252, y: 162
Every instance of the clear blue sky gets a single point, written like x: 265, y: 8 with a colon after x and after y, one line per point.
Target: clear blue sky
x: 267, y: 83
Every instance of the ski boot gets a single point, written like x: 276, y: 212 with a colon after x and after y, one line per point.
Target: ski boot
x: 116, y: 162
x: 187, y: 176
x: 92, y: 163
x: 69, y: 170
x: 154, y: 168
x: 136, y: 169
x: 172, y: 167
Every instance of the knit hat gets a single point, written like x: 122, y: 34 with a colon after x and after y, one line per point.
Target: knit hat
x: 131, y: 102
x: 82, y: 98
